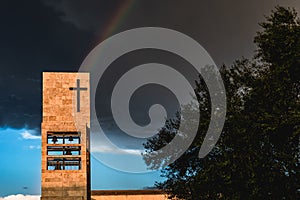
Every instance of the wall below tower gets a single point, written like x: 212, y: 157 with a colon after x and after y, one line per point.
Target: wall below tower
x: 128, y: 195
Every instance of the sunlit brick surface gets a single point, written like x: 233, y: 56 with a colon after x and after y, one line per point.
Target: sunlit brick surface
x: 128, y: 195
x: 59, y: 114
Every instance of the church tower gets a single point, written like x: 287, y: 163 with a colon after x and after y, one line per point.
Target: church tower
x: 65, y: 136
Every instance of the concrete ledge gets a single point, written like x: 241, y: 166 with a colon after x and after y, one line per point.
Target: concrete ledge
x: 125, y: 192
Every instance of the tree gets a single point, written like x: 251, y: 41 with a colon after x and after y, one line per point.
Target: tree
x: 258, y: 154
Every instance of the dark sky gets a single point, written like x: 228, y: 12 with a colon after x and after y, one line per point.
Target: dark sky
x: 45, y: 35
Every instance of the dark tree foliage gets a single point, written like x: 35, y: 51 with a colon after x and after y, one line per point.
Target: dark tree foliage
x: 258, y: 154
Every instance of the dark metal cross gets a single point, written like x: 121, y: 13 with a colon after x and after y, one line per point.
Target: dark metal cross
x: 78, y: 89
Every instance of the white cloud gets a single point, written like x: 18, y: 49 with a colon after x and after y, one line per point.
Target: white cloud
x: 34, y: 147
x: 21, y: 197
x: 27, y: 135
x: 114, y: 150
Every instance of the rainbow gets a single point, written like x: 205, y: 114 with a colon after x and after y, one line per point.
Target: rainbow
x: 117, y: 18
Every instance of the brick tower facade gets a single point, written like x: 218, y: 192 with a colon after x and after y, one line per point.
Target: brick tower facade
x: 65, y: 136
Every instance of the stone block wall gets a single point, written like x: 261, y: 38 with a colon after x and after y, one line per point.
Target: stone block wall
x: 60, y: 116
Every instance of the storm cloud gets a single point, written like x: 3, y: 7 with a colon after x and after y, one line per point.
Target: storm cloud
x: 56, y: 35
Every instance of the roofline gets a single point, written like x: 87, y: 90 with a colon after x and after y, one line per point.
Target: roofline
x: 126, y: 192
